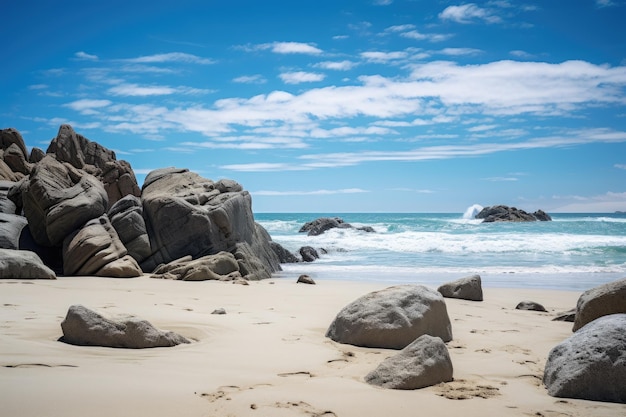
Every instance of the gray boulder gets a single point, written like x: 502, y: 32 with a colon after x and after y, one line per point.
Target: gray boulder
x: 305, y: 279
x: 95, y: 249
x: 423, y: 363
x: 392, y: 318
x: 58, y: 199
x: 116, y: 176
x: 590, y: 364
x: 321, y: 225
x: 11, y: 226
x: 85, y: 327
x: 600, y: 301
x: 308, y: 253
x: 468, y: 288
x: 284, y: 256
x: 126, y: 216
x: 10, y: 137
x: 6, y: 173
x: 15, y: 158
x: 189, y: 215
x: 23, y: 264
x: 501, y: 213
x: 36, y: 155
x: 6, y: 205
x: 222, y: 267
x: 530, y: 306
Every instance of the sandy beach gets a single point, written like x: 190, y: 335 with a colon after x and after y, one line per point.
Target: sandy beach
x: 267, y: 356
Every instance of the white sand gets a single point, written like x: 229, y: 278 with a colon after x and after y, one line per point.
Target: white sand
x: 267, y: 356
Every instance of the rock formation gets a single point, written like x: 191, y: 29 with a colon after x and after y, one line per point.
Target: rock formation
x: 502, y: 213
x: 609, y: 298
x: 85, y: 327
x: 221, y: 267
x: 590, y: 364
x: 468, y: 288
x: 423, y: 363
x: 392, y: 318
x: 189, y: 215
x: 81, y: 211
x: 321, y: 225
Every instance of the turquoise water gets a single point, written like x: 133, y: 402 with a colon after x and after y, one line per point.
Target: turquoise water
x: 574, y: 251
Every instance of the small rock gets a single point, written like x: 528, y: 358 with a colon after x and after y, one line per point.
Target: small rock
x: 568, y: 316
x: 531, y: 306
x: 219, y: 311
x: 305, y: 279
x: 308, y: 253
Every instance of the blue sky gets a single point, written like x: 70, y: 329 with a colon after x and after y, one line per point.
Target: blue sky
x: 337, y: 106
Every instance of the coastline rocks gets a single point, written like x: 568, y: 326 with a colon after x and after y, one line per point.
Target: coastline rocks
x: 530, y: 306
x: 602, y: 300
x: 284, y: 256
x: 222, y: 267
x: 6, y: 205
x: 23, y: 264
x: 423, y: 363
x: 468, y: 288
x: 117, y: 177
x: 58, y: 199
x: 309, y: 254
x: 392, y: 318
x: 95, y: 249
x: 11, y: 226
x: 501, y: 213
x: 321, y: 225
x: 590, y: 364
x: 84, y: 327
x: 126, y: 216
x: 186, y: 214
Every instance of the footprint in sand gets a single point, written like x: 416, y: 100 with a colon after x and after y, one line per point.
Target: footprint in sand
x: 301, y: 407
x: 464, y: 390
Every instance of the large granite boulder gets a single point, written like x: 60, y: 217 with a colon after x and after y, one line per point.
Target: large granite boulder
x: 321, y: 225
x: 423, y: 363
x: 117, y: 177
x: 392, y: 318
x: 10, y: 137
x: 590, y: 364
x: 17, y: 160
x: 6, y: 205
x: 126, y: 216
x: 189, y: 215
x: 85, y: 327
x: 58, y: 199
x: 220, y: 267
x: 501, y: 213
x: 468, y: 288
x: 609, y: 298
x: 23, y: 264
x: 95, y: 249
x: 11, y: 226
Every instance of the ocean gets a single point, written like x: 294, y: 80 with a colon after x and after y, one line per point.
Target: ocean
x: 572, y: 252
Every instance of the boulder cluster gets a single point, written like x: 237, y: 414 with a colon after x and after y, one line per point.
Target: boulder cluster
x: 80, y: 211
x: 502, y: 213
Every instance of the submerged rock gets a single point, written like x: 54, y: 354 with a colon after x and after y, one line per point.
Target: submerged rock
x: 503, y: 213
x: 321, y: 225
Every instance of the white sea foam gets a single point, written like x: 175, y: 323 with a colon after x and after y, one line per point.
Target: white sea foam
x: 472, y: 211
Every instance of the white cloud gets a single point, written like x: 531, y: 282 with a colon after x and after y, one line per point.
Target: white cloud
x: 460, y: 51
x: 620, y: 166
x: 400, y: 28
x: 431, y: 37
x: 314, y: 192
x: 250, y: 79
x: 605, y: 3
x: 521, y: 54
x: 603, y: 203
x: 336, y: 65
x: 469, y: 13
x: 170, y: 57
x: 87, y: 105
x: 382, y: 2
x: 383, y: 57
x: 135, y: 90
x: 298, y: 77
x: 285, y: 48
x: 85, y: 56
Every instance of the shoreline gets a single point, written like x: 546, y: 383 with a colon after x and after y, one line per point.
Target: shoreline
x: 268, y: 355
